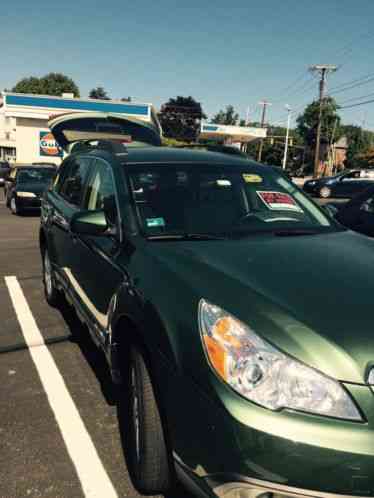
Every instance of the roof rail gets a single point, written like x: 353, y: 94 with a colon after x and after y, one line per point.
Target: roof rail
x: 224, y: 149
x: 117, y: 148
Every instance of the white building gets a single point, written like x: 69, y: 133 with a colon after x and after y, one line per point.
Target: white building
x: 24, y: 133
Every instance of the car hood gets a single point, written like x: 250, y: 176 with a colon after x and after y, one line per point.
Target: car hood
x: 310, y: 296
x: 35, y: 188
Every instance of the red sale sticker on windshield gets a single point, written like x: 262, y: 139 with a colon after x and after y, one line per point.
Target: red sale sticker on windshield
x: 279, y: 201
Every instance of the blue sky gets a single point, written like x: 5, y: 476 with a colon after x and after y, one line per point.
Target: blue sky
x: 221, y: 52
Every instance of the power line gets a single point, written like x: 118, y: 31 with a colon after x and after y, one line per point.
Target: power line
x: 356, y: 105
x: 352, y: 84
x: 356, y: 98
x: 294, y: 83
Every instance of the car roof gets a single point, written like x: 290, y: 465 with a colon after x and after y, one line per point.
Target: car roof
x: 173, y: 155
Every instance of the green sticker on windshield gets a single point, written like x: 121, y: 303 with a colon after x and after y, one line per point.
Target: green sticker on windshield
x: 155, y: 222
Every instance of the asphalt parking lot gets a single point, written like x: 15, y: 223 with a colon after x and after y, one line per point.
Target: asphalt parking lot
x: 58, y: 425
x: 42, y: 448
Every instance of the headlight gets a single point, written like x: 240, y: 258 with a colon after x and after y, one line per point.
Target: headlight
x: 25, y: 194
x: 311, y: 183
x: 264, y: 375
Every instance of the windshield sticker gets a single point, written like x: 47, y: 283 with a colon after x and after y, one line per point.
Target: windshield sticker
x: 155, y: 222
x: 279, y: 201
x: 248, y: 178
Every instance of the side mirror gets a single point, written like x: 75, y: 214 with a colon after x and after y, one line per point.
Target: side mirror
x: 89, y: 223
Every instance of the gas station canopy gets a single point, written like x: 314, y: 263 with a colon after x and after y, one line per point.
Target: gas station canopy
x: 230, y: 134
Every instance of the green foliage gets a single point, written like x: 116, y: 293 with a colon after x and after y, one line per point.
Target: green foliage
x: 308, y: 121
x: 50, y: 84
x: 180, y: 118
x: 359, y: 142
x: 365, y: 160
x: 226, y: 117
x: 273, y: 148
x: 98, y: 93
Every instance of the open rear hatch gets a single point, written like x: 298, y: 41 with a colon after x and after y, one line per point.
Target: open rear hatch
x: 71, y: 128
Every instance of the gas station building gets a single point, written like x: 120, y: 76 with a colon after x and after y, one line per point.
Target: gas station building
x: 24, y: 133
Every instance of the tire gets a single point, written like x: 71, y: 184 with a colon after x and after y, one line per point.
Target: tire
x: 143, y: 436
x: 14, y: 206
x: 325, y: 192
x: 52, y: 294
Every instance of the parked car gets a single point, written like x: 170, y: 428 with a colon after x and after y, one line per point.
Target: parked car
x: 4, y: 172
x: 214, y: 286
x: 356, y: 214
x: 25, y: 185
x: 346, y: 184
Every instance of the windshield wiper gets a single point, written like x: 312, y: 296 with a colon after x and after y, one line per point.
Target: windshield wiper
x: 291, y: 233
x: 277, y: 233
x: 186, y: 236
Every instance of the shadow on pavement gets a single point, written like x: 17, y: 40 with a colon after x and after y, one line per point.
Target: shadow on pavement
x: 93, y: 355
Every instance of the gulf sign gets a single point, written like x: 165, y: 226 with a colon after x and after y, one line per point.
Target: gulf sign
x: 48, y: 145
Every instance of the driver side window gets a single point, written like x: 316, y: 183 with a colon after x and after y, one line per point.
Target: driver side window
x: 100, y: 192
x: 354, y: 175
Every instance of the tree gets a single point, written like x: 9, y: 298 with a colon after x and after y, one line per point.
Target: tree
x: 307, y: 123
x: 273, y: 148
x: 226, y: 117
x: 365, y: 160
x: 126, y: 99
x: 50, y: 84
x: 180, y: 118
x: 359, y: 142
x: 98, y: 93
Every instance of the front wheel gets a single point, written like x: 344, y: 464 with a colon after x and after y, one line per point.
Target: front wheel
x: 144, y: 439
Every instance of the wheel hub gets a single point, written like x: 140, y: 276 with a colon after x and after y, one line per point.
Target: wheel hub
x: 47, y: 274
x: 135, y: 411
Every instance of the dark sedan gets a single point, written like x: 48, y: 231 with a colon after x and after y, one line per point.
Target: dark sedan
x: 346, y: 185
x: 4, y: 172
x: 358, y: 213
x: 25, y: 186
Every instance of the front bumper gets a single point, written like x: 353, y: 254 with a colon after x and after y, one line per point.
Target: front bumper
x: 240, y: 450
x: 241, y: 487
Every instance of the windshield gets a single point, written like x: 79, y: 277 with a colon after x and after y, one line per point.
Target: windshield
x: 221, y: 200
x: 35, y: 175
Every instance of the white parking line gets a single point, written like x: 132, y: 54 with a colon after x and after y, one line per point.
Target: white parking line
x: 91, y: 473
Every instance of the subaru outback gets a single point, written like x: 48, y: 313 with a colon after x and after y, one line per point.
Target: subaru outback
x: 244, y: 355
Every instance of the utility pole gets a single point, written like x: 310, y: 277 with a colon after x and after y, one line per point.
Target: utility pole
x: 264, y: 106
x: 323, y: 69
x: 287, y: 135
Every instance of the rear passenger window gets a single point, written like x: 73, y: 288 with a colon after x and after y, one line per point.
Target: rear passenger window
x: 72, y: 184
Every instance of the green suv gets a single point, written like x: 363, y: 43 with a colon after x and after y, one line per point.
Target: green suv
x: 233, y: 311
